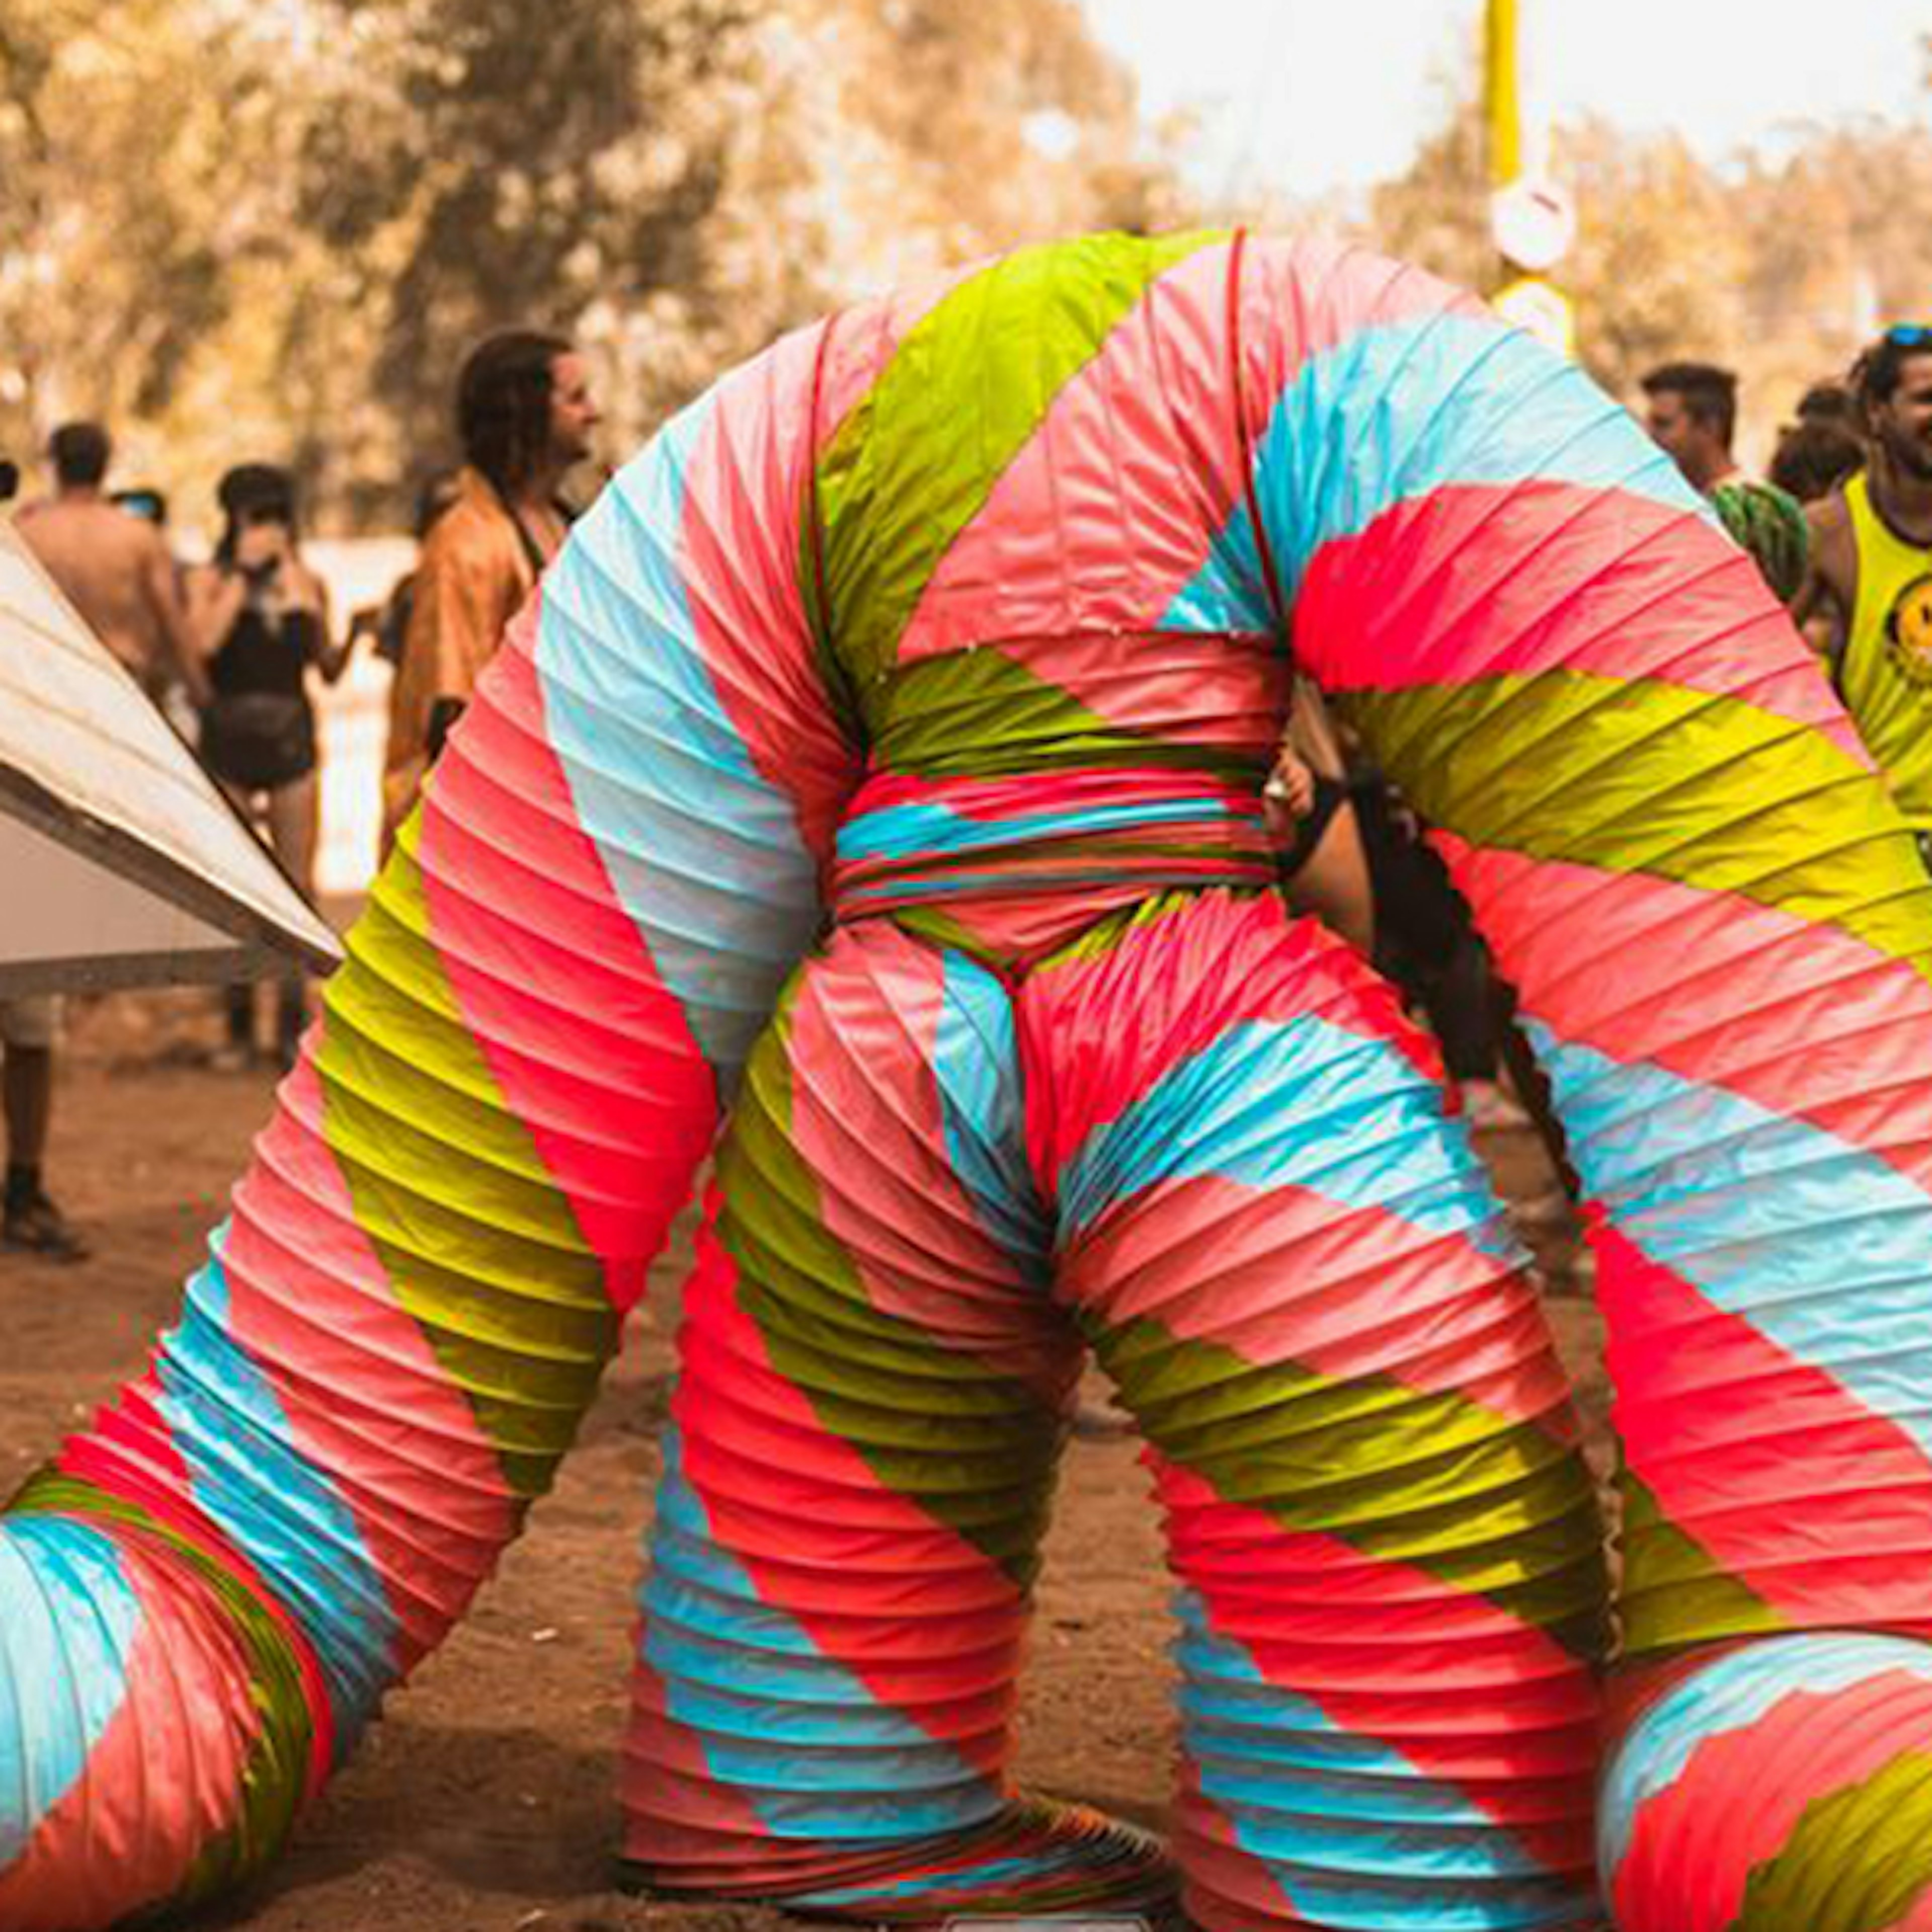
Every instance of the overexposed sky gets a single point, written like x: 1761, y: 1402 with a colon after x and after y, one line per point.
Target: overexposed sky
x: 1311, y: 95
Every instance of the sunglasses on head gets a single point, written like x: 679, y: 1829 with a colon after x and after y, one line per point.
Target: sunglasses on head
x: 1910, y: 335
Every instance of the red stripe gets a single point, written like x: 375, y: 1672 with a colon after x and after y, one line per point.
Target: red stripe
x: 1800, y: 1019
x: 1475, y: 581
x: 1297, y: 1277
x: 1819, y: 1506
x: 1477, y: 1699
x: 1693, y: 1847
x: 813, y: 1525
x: 620, y: 1144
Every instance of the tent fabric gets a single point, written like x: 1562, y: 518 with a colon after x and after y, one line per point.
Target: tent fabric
x: 940, y: 649
x: 124, y: 865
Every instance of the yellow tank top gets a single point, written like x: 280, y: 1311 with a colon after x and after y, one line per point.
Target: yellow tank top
x: 1886, y: 676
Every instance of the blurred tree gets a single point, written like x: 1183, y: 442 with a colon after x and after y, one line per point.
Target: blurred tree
x: 134, y: 144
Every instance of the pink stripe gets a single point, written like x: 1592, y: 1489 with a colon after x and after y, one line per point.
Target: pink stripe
x: 1144, y: 432
x: 1217, y: 1873
x: 1347, y: 1292
x: 1804, y: 1749
x: 1827, y: 1517
x: 1801, y: 1019
x: 163, y: 1780
x: 740, y: 556
x: 1300, y: 299
x: 590, y: 1050
x: 1219, y: 962
x: 660, y: 1752
x: 866, y: 1119
x: 1511, y: 580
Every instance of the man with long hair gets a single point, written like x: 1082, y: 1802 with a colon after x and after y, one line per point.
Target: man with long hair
x: 524, y: 416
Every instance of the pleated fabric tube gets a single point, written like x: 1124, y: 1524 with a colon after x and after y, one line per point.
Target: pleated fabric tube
x: 1212, y: 1147
x: 1718, y: 927
x: 202, y: 1602
x: 968, y: 607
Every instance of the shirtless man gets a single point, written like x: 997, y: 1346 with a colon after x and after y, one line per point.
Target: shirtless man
x: 1868, y: 598
x: 114, y: 568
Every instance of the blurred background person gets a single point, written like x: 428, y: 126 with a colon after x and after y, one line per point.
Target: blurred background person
x: 29, y: 1028
x: 1870, y: 590
x: 260, y: 620
x: 524, y: 416
x: 1691, y: 409
x: 114, y: 568
x: 386, y: 625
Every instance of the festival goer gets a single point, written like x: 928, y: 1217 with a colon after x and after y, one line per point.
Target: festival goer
x: 1869, y: 589
x: 115, y: 569
x: 1815, y: 455
x: 1768, y: 524
x: 260, y: 619
x: 1691, y: 413
x: 524, y: 416
x: 386, y: 625
x: 28, y: 1029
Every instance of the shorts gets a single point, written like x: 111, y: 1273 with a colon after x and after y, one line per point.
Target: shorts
x: 33, y: 1020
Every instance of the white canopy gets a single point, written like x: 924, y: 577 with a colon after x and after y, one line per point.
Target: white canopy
x: 120, y: 864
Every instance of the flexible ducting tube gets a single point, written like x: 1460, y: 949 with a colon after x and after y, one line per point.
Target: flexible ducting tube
x: 873, y: 785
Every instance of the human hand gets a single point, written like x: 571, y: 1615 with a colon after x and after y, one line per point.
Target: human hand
x: 1291, y: 787
x: 260, y: 548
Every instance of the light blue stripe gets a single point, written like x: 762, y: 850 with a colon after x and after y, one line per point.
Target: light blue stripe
x: 835, y: 1763
x: 68, y: 1620
x: 1733, y: 1692
x: 1821, y: 1245
x: 1294, y: 1103
x: 704, y: 852
x: 926, y: 826
x: 976, y: 1061
x: 1398, y: 411
x: 1227, y: 592
x: 284, y: 1513
x: 1387, y: 1846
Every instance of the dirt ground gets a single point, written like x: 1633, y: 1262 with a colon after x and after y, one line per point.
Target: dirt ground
x: 483, y: 1802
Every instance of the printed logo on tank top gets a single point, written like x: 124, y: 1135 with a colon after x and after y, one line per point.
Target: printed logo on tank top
x: 1908, y: 632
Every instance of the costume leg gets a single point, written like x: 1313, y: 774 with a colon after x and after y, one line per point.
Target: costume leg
x: 874, y: 1387
x: 1392, y: 1588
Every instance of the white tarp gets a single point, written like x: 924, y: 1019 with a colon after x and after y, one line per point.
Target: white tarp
x: 120, y: 863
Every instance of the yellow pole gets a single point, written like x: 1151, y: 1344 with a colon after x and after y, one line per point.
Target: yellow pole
x: 1502, y: 91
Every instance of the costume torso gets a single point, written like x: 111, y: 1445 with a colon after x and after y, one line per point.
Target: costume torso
x: 1060, y: 715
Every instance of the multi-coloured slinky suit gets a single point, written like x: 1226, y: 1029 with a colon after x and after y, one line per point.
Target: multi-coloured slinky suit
x: 876, y: 777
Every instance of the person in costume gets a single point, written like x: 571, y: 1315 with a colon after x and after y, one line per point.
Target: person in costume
x: 870, y: 800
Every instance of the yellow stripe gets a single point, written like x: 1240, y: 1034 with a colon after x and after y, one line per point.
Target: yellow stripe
x: 482, y: 1248
x: 1638, y: 775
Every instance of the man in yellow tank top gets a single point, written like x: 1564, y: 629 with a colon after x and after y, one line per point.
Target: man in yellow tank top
x: 1870, y: 590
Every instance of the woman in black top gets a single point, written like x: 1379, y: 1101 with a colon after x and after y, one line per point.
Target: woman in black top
x: 260, y: 618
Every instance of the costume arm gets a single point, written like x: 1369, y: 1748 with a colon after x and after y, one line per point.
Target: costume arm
x: 1682, y: 858
x: 399, y: 1326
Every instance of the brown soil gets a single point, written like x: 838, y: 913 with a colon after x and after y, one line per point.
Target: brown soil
x: 483, y: 1802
